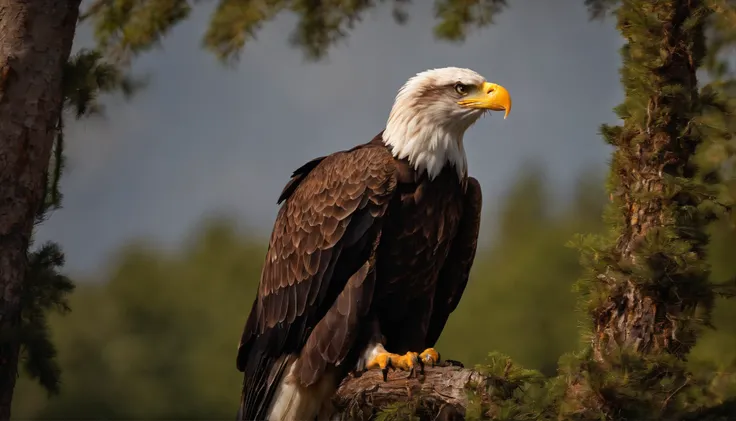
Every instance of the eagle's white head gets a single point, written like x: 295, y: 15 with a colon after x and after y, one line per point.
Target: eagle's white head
x: 433, y: 110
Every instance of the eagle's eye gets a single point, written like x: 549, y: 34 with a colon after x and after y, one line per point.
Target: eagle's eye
x: 461, y: 89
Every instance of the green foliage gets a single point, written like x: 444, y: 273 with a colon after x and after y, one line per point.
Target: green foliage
x: 636, y: 386
x: 511, y: 393
x: 456, y: 17
x: 399, y: 411
x: 157, y: 338
x: 125, y: 28
x: 87, y: 75
x: 45, y: 290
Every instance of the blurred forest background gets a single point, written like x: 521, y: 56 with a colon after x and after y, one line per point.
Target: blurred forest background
x: 158, y: 329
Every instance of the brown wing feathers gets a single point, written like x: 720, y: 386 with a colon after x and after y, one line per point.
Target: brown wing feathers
x: 332, y: 338
x: 324, y: 235
x: 453, y: 277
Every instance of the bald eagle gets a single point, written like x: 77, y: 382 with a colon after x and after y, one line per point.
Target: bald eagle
x: 369, y: 254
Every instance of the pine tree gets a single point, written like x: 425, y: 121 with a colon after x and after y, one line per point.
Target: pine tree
x: 648, y: 287
x: 651, y: 280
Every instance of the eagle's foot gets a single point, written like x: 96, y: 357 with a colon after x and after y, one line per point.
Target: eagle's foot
x: 430, y: 356
x: 411, y: 361
x: 387, y: 361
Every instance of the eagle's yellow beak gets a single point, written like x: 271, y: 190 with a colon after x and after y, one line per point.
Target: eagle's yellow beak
x: 489, y: 96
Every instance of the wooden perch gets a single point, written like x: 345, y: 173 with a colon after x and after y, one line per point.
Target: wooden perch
x: 442, y: 394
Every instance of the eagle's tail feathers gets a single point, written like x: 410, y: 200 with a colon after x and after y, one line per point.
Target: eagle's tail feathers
x: 258, y: 391
x: 294, y: 401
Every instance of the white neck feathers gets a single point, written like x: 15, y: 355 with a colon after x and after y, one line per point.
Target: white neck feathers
x: 427, y: 146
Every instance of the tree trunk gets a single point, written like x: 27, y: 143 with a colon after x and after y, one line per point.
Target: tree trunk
x: 35, y: 42
x: 655, y: 275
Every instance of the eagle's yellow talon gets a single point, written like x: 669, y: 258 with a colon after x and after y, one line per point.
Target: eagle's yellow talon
x: 386, y: 360
x: 430, y: 356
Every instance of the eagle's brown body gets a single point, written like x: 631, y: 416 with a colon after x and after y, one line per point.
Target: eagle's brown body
x: 363, y: 246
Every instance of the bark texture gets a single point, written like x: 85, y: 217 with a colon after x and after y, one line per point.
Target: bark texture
x: 651, y: 292
x: 441, y: 395
x: 35, y: 41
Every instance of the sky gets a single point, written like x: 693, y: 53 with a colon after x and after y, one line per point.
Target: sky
x: 207, y: 139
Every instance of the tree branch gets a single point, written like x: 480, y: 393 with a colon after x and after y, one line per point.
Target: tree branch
x: 442, y: 394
